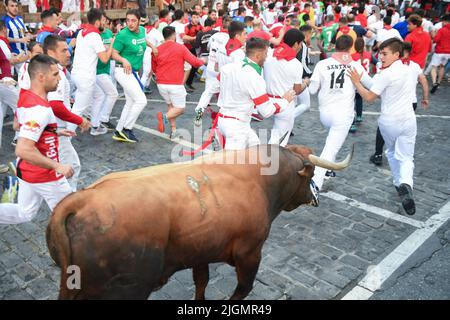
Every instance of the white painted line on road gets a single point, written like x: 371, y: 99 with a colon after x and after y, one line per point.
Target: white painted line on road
x: 372, y: 209
x: 369, y: 113
x: 378, y: 274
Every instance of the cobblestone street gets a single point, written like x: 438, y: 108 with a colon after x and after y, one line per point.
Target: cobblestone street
x: 311, y: 253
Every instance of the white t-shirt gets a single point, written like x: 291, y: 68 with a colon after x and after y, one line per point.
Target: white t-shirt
x: 23, y: 79
x: 336, y: 90
x: 269, y: 16
x: 281, y: 75
x: 242, y: 90
x: 155, y: 37
x: 395, y: 18
x: 416, y: 71
x: 394, y: 86
x: 216, y: 43
x: 62, y: 93
x: 384, y: 34
x: 179, y: 29
x: 427, y: 25
x: 86, y: 54
x: 232, y: 6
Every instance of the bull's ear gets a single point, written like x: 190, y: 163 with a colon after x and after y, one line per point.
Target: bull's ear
x: 307, y: 171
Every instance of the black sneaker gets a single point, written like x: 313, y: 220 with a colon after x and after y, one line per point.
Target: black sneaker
x: 434, y: 88
x: 406, y: 196
x: 131, y: 135
x: 108, y: 125
x: 376, y: 159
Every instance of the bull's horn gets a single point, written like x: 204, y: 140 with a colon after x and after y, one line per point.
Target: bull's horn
x: 326, y: 164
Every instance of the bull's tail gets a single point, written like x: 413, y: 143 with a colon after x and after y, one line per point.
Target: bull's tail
x: 58, y: 241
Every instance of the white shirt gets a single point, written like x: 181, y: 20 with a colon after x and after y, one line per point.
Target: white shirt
x: 179, y: 29
x: 62, y: 93
x: 241, y: 90
x: 269, y: 16
x: 155, y: 37
x: 233, y: 5
x: 23, y: 79
x: 395, y: 18
x: 223, y: 59
x: 216, y: 43
x: 416, y: 71
x: 394, y: 86
x: 281, y: 75
x: 385, y: 34
x: 427, y: 25
x: 4, y: 47
x: 86, y: 54
x: 336, y: 90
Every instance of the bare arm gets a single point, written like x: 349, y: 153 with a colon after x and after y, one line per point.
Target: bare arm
x: 126, y: 65
x: 424, y: 83
x: 26, y: 150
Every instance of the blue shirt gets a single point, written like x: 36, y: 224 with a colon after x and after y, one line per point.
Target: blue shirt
x: 16, y: 30
x: 402, y: 28
x: 359, y: 30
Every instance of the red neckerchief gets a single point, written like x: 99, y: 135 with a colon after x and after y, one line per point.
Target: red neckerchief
x: 387, y: 27
x: 89, y: 28
x: 223, y: 30
x: 329, y: 23
x: 406, y: 61
x: 46, y: 29
x: 345, y: 30
x: 342, y: 57
x: 5, y: 39
x: 283, y: 51
x: 232, y: 45
x: 148, y: 29
x: 163, y: 20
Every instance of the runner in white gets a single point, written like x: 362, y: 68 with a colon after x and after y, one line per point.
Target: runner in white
x: 242, y: 87
x: 283, y: 72
x: 336, y: 99
x: 395, y: 85
x: 89, y: 49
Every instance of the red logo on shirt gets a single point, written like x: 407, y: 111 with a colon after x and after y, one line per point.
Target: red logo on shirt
x: 32, y: 126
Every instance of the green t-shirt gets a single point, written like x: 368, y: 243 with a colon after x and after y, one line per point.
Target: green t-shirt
x: 328, y: 34
x: 104, y: 68
x: 131, y: 46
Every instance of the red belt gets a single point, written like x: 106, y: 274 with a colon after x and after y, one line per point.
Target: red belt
x: 276, y: 97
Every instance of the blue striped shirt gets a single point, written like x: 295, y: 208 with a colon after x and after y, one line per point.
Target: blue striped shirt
x: 16, y: 30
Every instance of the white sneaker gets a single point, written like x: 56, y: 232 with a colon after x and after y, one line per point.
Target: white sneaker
x: 99, y: 130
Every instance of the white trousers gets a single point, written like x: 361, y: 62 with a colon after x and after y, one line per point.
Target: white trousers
x: 303, y: 101
x: 30, y: 199
x: 68, y: 155
x: 400, y: 138
x: 282, y: 122
x: 105, y: 97
x: 238, y: 134
x: 212, y: 87
x: 83, y: 96
x: 135, y: 99
x: 9, y: 95
x: 338, y: 125
x: 146, y: 67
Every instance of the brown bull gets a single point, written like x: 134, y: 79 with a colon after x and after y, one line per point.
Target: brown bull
x: 130, y: 231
